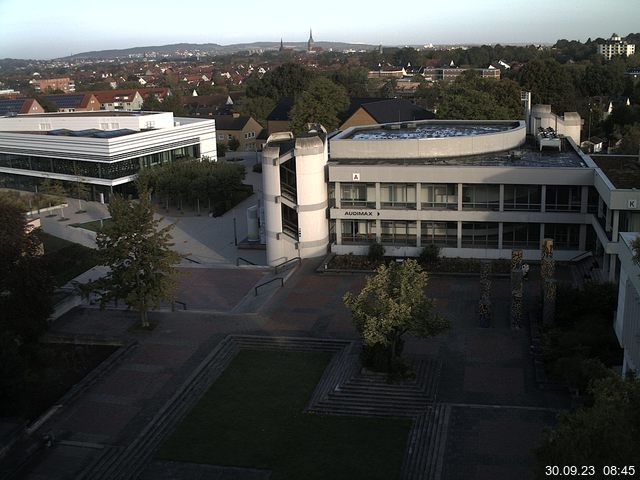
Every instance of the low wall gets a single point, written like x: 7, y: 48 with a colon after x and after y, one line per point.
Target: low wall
x: 72, y: 234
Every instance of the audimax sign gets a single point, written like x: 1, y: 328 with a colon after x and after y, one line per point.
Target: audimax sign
x: 361, y: 213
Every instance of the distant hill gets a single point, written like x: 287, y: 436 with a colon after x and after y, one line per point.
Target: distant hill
x: 212, y: 49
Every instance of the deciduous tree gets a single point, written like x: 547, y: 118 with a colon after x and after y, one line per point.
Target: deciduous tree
x: 319, y: 103
x: 391, y: 304
x: 139, y: 255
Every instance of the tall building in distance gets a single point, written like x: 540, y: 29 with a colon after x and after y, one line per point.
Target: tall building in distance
x: 615, y: 46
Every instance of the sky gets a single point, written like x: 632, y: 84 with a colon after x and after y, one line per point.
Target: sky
x: 42, y: 29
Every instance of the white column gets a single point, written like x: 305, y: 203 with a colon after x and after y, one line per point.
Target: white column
x: 418, y: 197
x: 615, y: 226
x: 377, y: 195
x: 500, y: 230
x: 459, y: 200
x: 543, y: 200
x: 338, y: 193
x: 459, y: 231
x: 501, y: 201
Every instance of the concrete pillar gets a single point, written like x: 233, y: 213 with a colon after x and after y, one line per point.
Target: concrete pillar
x: 500, y: 230
x: 582, y: 238
x: 338, y: 193
x: 377, y: 195
x: 607, y: 222
x: 584, y: 199
x: 613, y: 259
x: 459, y: 231
x: 338, y: 231
x: 501, y: 201
x: 459, y: 204
x: 418, y: 197
x: 543, y: 201
x: 418, y: 232
x: 541, y: 233
x: 605, y: 265
x: 615, y: 225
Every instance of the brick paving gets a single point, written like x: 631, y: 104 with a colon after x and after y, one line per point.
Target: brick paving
x: 481, y: 368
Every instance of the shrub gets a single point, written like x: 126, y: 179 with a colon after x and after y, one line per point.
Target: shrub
x: 430, y: 254
x: 376, y: 252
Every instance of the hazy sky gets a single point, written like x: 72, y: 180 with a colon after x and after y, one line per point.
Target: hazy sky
x: 46, y: 29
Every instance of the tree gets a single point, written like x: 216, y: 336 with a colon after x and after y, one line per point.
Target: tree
x: 139, y: 255
x: 471, y: 97
x: 550, y: 83
x: 391, y: 304
x: 233, y: 144
x: 354, y: 79
x: 319, y: 103
x: 287, y: 80
x: 81, y: 191
x: 635, y: 244
x: 256, y: 107
x: 151, y: 103
x: 25, y: 285
x: 605, y: 434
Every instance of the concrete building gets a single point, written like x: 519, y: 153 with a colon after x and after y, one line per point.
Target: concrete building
x: 615, y: 46
x: 627, y: 321
x: 112, y: 100
x: 103, y: 150
x: 243, y: 128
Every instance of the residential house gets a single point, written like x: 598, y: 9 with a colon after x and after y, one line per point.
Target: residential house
x: 384, y: 111
x: 243, y: 128
x: 65, y: 84
x: 278, y: 119
x: 19, y: 106
x: 119, y: 99
x: 74, y: 102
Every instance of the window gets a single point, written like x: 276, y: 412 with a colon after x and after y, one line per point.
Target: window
x: 358, y: 231
x: 221, y: 136
x: 565, y: 236
x: 398, y: 195
x: 563, y: 198
x: 288, y: 182
x: 361, y: 195
x: 522, y: 197
x: 443, y: 234
x: 480, y: 197
x: 439, y: 196
x: 479, y: 235
x: 521, y: 235
x: 398, y: 232
x: 289, y: 221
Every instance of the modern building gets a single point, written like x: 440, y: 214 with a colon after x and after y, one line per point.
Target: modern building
x: 627, y: 321
x: 615, y: 46
x: 103, y: 150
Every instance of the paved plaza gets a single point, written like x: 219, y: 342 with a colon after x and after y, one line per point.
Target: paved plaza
x: 495, y: 413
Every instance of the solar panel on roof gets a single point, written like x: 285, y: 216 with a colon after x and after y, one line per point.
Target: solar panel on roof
x: 65, y: 101
x: 10, y: 106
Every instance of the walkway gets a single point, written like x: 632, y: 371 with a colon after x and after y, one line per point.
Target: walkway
x: 490, y: 412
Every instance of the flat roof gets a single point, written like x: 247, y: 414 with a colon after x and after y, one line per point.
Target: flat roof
x: 96, y: 113
x: 527, y: 155
x: 408, y: 131
x: 622, y: 170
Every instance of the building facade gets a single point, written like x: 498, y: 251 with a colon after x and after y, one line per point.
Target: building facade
x: 103, y: 150
x: 615, y: 46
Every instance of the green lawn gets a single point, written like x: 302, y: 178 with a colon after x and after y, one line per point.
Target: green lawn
x: 66, y: 260
x: 94, y: 226
x: 252, y: 417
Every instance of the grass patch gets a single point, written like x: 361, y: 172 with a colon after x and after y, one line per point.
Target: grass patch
x: 252, y: 417
x: 66, y: 260
x: 94, y: 225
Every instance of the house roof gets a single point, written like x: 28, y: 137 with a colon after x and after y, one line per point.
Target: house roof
x: 15, y: 106
x: 111, y: 96
x: 231, y: 122
x: 70, y: 100
x: 356, y: 102
x: 396, y: 110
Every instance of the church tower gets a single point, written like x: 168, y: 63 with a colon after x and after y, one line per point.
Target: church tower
x: 281, y: 45
x: 310, y: 43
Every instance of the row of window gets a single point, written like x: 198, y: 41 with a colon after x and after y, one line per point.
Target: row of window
x: 110, y: 170
x: 474, y: 197
x: 445, y: 234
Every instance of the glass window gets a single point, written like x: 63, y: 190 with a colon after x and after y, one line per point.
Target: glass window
x: 565, y: 236
x: 522, y: 197
x: 480, y: 197
x: 521, y: 235
x: 443, y: 234
x: 398, y: 232
x: 358, y: 231
x: 361, y: 195
x: 479, y: 235
x: 563, y: 198
x: 436, y: 196
x: 289, y: 221
x: 288, y: 181
x: 398, y: 195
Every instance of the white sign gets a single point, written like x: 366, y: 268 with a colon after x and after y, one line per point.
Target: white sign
x: 632, y: 203
x: 356, y: 177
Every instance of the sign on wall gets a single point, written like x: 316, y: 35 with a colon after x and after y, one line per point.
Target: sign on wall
x: 632, y: 203
x: 356, y: 177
